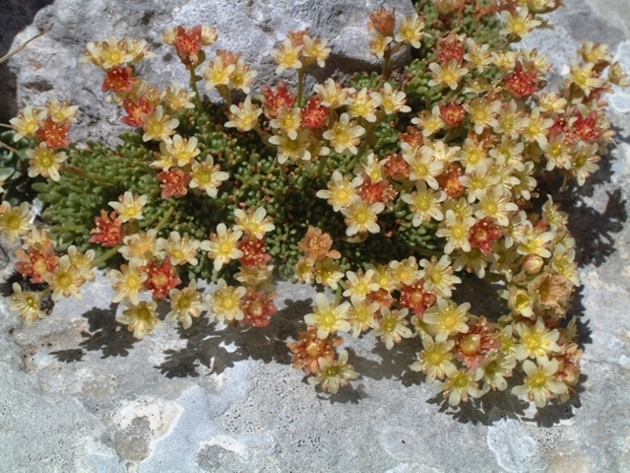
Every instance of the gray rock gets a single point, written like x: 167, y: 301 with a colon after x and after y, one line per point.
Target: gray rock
x: 78, y: 393
x: 51, y: 64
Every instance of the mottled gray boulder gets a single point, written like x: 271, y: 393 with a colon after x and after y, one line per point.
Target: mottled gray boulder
x: 51, y: 64
x: 79, y: 394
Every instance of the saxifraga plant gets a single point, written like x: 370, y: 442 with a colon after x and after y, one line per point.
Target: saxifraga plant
x: 384, y: 192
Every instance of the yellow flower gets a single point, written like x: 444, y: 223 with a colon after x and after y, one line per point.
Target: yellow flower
x: 179, y: 249
x: 483, y: 113
x: 511, y: 121
x: 223, y: 246
x: 537, y: 341
x: 496, y: 204
x: 447, y: 75
x: 327, y: 273
x: 207, y: 176
x: 461, y: 384
x: 332, y: 94
x: 128, y: 282
x: 316, y: 50
x: 438, y: 276
x: 141, y: 318
x: 254, y: 223
x: 594, y: 52
x: 344, y: 135
x: 178, y: 98
x: 499, y: 367
x: 45, y: 162
x: 537, y: 128
x: 83, y: 262
x: 65, y: 280
x: 447, y: 318
x: 358, y: 286
x: 158, y: 126
x: 361, y: 217
x: 113, y: 52
x: 340, y: 191
x: 293, y: 148
x: 558, y: 153
x: 405, y: 271
x: 384, y: 277
x: 288, y: 121
x: 378, y: 43
x: 361, y: 316
x: 225, y: 303
x: 287, y: 56
x: 456, y: 232
x: 244, y: 117
x: 584, y: 161
x: 241, y: 77
x: 129, y: 206
x: 435, y: 359
x: 27, y: 122
x: 393, y: 101
x: 584, y: 77
x: 533, y: 241
x: 182, y: 150
x: 15, y: 221
x: 185, y: 304
x: 60, y: 112
x: 410, y: 30
x: 140, y: 247
x: 218, y: 73
x: 540, y: 381
x: 424, y: 203
x: 392, y: 327
x: 260, y: 278
x: 479, y: 181
x: 328, y: 317
x: 519, y: 23
x: 478, y: 54
x: 424, y: 166
x: 27, y: 304
x: 362, y: 105
x: 333, y: 374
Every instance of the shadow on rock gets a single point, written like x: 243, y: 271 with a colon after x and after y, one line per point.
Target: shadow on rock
x: 553, y: 413
x: 593, y: 230
x: 490, y: 408
x: 220, y: 349
x: 105, y: 334
x: 68, y: 356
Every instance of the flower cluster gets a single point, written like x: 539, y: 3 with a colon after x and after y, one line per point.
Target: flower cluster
x: 385, y: 192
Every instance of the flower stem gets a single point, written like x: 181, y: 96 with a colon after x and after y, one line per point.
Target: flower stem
x: 105, y: 256
x: 194, y: 78
x: 90, y: 177
x: 164, y: 220
x: 300, y: 87
x: 66, y: 228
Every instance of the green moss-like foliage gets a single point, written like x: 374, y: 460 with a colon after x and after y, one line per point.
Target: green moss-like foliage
x: 98, y: 175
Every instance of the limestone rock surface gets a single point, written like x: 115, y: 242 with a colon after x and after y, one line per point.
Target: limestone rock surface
x: 51, y: 64
x: 79, y: 394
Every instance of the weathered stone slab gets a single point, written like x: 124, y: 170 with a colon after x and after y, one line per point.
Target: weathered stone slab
x: 78, y: 393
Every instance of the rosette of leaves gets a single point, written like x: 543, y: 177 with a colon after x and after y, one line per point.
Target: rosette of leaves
x: 95, y: 176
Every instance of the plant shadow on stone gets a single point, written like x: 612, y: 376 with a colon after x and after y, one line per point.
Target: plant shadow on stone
x: 104, y: 334
x: 208, y: 347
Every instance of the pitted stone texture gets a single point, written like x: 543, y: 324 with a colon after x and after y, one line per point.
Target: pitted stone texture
x: 51, y: 64
x: 80, y: 394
